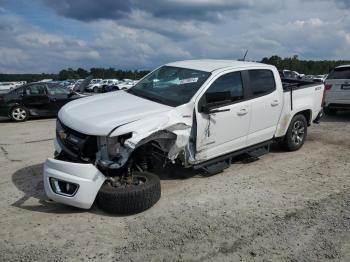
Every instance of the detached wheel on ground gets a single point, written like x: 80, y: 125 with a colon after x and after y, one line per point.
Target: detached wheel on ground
x: 19, y: 114
x: 296, y: 133
x: 132, y: 198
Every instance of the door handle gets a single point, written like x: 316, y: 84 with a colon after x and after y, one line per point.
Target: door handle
x: 242, y: 112
x: 275, y: 103
x: 53, y: 99
x: 218, y: 111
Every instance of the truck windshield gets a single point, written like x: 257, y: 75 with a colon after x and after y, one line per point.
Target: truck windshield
x: 172, y: 86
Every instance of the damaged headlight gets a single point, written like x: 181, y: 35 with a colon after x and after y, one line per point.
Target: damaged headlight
x: 115, y: 144
x: 60, y: 132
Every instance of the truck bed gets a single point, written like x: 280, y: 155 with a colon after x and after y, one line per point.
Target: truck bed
x: 293, y: 84
x: 299, y: 96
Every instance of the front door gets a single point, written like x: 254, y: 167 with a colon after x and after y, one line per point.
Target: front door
x: 225, y: 129
x: 58, y: 96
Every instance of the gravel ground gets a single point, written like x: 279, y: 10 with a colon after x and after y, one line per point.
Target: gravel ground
x: 283, y: 207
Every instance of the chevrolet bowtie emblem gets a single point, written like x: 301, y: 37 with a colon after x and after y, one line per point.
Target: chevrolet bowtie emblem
x: 62, y: 135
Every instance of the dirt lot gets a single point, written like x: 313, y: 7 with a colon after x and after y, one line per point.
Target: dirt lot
x: 284, y: 207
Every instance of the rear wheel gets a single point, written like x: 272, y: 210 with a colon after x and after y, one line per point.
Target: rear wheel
x: 131, y: 198
x: 19, y: 114
x: 95, y: 89
x: 296, y: 133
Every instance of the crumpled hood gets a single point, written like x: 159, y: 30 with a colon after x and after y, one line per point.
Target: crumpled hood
x: 98, y: 115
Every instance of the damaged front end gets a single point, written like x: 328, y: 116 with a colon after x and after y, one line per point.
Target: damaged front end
x: 89, y: 161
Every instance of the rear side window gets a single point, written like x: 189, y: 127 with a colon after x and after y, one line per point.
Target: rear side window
x: 17, y: 91
x: 231, y: 82
x: 36, y: 89
x: 340, y: 73
x: 262, y: 82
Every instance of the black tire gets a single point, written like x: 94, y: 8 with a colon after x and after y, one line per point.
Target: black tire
x: 19, y: 113
x: 95, y: 89
x: 131, y: 199
x: 294, y: 139
x: 330, y: 111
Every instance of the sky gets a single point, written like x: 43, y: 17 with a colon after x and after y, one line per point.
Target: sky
x: 49, y: 35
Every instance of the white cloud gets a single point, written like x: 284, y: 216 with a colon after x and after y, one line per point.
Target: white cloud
x: 146, y: 34
x: 13, y: 56
x: 37, y: 39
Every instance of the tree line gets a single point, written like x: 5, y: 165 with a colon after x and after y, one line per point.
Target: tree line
x: 79, y: 73
x: 100, y: 73
x: 308, y: 67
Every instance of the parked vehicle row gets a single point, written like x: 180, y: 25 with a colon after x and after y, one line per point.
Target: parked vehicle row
x: 198, y: 114
x: 106, y: 85
x: 5, y: 86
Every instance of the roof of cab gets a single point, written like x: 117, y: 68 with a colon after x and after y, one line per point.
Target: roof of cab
x: 209, y: 65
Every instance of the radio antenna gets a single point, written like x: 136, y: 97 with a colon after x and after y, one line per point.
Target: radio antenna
x: 245, y: 55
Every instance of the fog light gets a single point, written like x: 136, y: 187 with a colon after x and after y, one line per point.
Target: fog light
x: 63, y: 187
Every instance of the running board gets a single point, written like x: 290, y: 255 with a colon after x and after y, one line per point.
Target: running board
x: 217, y: 165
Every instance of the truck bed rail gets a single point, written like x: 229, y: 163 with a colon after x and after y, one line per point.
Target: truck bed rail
x: 293, y: 84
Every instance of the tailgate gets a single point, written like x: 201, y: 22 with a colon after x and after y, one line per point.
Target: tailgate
x: 338, y: 89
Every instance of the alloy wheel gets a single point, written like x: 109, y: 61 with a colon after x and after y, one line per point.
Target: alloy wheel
x: 298, y: 132
x: 19, y: 114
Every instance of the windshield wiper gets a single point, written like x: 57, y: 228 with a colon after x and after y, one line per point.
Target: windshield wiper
x: 152, y: 99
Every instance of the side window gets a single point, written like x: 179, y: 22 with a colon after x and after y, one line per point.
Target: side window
x: 36, y: 89
x: 228, y: 83
x: 262, y: 82
x: 17, y: 91
x: 57, y: 90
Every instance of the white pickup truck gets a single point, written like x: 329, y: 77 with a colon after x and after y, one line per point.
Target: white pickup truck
x: 198, y: 114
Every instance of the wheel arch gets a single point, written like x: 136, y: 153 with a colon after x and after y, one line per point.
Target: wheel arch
x: 286, y: 120
x: 307, y: 114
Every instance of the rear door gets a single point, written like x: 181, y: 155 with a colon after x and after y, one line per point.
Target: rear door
x: 338, y: 86
x: 266, y: 105
x: 35, y: 98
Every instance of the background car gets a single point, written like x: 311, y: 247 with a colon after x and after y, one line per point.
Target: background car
x: 5, y: 86
x: 126, y: 84
x: 98, y: 87
x: 35, y: 99
x: 337, y: 86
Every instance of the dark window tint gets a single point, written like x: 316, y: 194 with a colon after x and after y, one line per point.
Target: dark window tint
x: 17, y: 91
x: 231, y: 82
x: 57, y: 90
x: 262, y: 82
x: 340, y: 73
x: 36, y: 89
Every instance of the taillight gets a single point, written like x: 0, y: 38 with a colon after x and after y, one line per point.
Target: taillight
x: 327, y: 87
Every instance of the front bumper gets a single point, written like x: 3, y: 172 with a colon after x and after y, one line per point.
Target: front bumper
x: 86, y: 176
